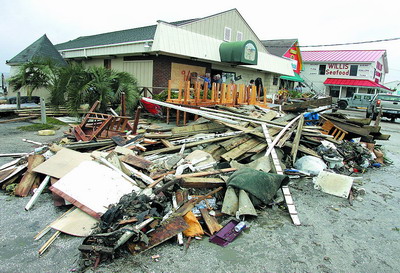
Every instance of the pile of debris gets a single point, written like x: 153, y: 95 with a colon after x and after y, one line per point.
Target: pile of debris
x: 136, y: 186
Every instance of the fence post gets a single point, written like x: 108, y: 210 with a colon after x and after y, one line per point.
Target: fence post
x: 43, y: 110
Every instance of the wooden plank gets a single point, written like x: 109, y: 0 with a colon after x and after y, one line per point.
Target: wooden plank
x: 18, y: 119
x: 211, y: 222
x: 29, y: 177
x: 303, y: 149
x: 206, y: 173
x: 137, y: 161
x: 234, y: 142
x: 296, y: 140
x: 198, y: 128
x: 171, y: 227
x: 166, y: 143
x: 62, y: 163
x: 240, y: 150
x: 306, y: 104
x: 276, y: 139
x: 285, y: 189
x: 202, y: 182
x: 285, y: 137
x: 188, y: 145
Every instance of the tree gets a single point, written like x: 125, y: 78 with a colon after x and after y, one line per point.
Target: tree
x: 33, y: 75
x: 74, y: 85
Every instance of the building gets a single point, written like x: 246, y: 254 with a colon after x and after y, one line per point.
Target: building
x: 394, y: 86
x: 222, y: 44
x: 341, y: 73
x: 290, y: 50
x: 42, y: 49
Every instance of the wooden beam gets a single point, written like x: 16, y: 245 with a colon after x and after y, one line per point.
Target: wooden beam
x: 188, y: 145
x: 211, y: 222
x: 137, y: 161
x: 240, y: 150
x: 276, y: 139
x: 296, y: 140
x: 202, y: 182
x: 29, y: 177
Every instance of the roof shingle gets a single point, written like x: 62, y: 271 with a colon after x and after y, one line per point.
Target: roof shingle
x: 41, y: 48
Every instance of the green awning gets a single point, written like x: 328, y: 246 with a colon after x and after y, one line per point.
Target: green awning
x: 295, y: 78
x: 241, y: 52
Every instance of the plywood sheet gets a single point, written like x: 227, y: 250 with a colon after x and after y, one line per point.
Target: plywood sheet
x: 62, y: 163
x: 92, y: 187
x: 335, y: 184
x: 76, y: 223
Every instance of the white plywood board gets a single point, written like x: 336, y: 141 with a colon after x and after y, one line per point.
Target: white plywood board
x: 333, y: 183
x: 93, y: 187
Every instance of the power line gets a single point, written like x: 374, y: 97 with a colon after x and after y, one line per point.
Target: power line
x: 342, y: 44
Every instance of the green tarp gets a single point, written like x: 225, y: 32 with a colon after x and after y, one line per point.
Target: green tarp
x: 260, y: 185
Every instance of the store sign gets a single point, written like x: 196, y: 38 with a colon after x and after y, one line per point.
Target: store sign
x: 337, y: 69
x: 250, y: 52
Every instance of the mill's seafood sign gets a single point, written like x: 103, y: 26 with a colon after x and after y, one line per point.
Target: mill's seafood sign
x: 338, y: 69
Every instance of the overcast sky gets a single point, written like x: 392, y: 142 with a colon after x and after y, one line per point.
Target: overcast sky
x: 312, y: 22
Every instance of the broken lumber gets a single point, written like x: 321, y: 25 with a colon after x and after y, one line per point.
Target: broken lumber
x: 296, y: 140
x: 201, y: 182
x: 29, y: 177
x: 137, y: 161
x: 206, y: 173
x: 211, y: 222
x: 240, y: 150
x: 178, y: 147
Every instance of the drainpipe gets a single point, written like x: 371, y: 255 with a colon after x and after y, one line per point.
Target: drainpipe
x: 85, y: 53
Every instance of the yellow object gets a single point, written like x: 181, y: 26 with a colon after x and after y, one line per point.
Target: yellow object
x: 46, y: 132
x: 194, y: 228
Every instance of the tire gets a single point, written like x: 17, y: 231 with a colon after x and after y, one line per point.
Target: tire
x: 342, y: 105
x: 393, y: 120
x: 367, y: 115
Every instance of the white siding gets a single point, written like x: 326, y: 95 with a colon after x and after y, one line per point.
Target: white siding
x: 214, y: 26
x: 137, y: 47
x: 187, y: 43
x: 141, y: 70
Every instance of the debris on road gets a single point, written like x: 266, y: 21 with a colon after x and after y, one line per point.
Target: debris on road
x: 135, y: 187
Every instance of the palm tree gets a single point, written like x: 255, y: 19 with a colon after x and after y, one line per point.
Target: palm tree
x: 74, y: 85
x: 33, y: 75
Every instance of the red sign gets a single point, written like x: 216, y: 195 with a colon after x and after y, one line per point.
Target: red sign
x: 337, y: 69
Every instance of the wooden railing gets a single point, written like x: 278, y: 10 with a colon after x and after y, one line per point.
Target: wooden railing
x: 220, y: 94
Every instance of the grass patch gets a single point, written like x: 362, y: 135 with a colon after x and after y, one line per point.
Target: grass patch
x: 38, y: 127
x: 54, y: 121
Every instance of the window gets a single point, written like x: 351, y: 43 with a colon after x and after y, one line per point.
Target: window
x: 350, y: 91
x: 353, y: 70
x: 334, y: 91
x: 275, y: 80
x: 357, y: 97
x: 227, y: 34
x: 322, y: 68
x: 239, y: 36
x: 107, y: 63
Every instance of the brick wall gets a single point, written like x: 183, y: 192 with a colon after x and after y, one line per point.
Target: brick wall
x: 162, y: 68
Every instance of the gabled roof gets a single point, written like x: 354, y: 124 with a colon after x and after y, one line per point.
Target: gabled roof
x: 278, y: 47
x: 115, y: 37
x: 41, y: 48
x: 366, y: 56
